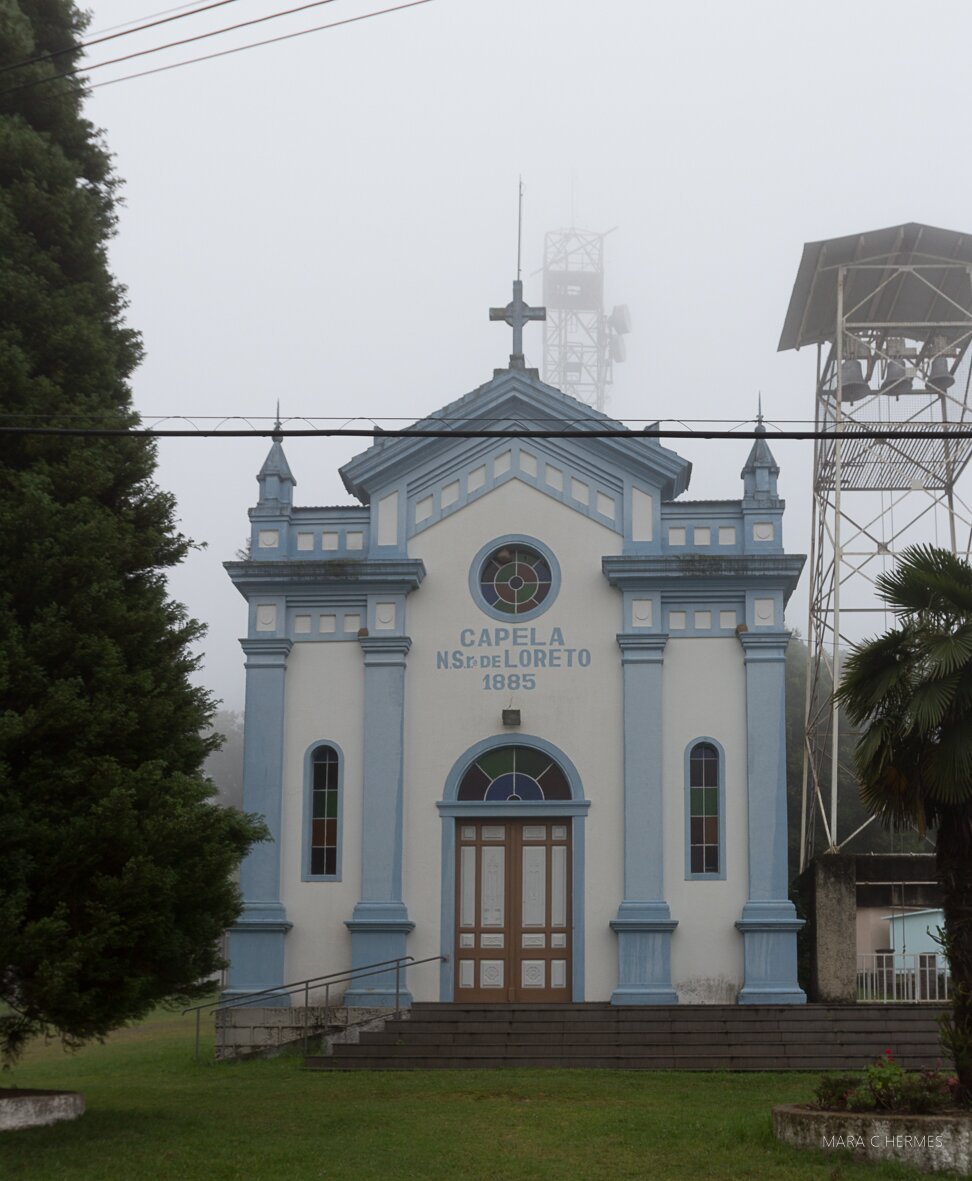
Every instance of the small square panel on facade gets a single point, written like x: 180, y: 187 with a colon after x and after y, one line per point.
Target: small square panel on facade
x: 727, y: 535
x: 765, y: 612
x: 702, y: 536
x: 268, y: 538
x: 676, y: 535
x: 305, y: 541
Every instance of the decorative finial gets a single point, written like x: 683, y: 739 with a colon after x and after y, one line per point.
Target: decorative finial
x: 760, y: 429
x: 277, y: 436
x: 517, y: 313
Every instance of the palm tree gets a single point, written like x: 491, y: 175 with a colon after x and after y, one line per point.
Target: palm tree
x: 910, y: 693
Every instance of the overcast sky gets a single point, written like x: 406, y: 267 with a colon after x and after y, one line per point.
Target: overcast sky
x: 327, y: 220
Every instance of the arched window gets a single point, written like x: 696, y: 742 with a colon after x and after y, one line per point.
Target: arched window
x: 705, y: 812
x: 322, y: 814
x: 513, y: 773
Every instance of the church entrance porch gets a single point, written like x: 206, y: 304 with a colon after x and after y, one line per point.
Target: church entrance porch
x: 513, y: 910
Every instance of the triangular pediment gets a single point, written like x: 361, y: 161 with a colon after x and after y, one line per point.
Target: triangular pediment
x: 515, y: 403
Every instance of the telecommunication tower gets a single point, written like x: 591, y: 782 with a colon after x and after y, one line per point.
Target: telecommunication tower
x: 890, y: 312
x: 580, y: 342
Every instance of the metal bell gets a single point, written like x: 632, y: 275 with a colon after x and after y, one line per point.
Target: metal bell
x: 853, y: 385
x: 896, y: 379
x: 938, y: 376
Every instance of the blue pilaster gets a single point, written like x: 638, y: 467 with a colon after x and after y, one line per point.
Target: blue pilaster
x: 256, y: 939
x: 769, y: 922
x: 644, y: 924
x: 380, y: 923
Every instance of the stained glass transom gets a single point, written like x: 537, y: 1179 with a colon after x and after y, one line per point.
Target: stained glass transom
x: 704, y: 808
x: 514, y: 773
x: 324, y: 811
x: 515, y: 579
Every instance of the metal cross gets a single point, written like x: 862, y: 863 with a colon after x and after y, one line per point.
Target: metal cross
x: 516, y: 314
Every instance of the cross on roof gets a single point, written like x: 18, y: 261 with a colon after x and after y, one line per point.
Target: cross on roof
x: 516, y: 314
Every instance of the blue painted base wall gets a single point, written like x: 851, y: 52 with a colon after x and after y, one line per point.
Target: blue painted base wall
x: 379, y: 931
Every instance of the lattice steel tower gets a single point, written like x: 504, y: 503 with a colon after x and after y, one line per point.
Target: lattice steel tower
x: 580, y: 342
x: 890, y: 312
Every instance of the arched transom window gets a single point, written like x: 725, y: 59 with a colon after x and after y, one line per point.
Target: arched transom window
x: 514, y: 773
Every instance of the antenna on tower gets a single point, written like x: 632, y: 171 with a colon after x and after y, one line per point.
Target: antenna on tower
x: 519, y: 233
x: 581, y: 342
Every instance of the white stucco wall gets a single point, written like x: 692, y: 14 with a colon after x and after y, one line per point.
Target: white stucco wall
x: 705, y: 697
x: 576, y: 709
x: 324, y: 703
x: 579, y: 710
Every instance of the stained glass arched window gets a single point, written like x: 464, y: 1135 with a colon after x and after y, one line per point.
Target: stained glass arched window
x: 514, y: 579
x: 705, y: 811
x: 322, y: 814
x: 513, y: 773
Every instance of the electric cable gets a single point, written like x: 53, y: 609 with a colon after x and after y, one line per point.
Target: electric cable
x: 255, y: 44
x: 108, y: 36
x: 378, y: 432
x: 257, y: 20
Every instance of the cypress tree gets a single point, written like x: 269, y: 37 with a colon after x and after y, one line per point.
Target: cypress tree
x: 115, y: 865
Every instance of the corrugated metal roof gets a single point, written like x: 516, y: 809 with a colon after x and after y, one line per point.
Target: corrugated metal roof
x: 874, y: 292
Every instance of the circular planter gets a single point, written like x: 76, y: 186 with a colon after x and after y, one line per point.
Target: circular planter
x: 931, y: 1143
x: 35, y: 1109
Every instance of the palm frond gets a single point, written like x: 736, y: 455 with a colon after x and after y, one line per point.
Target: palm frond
x: 895, y: 798
x: 930, y: 702
x: 878, y: 670
x: 949, y: 766
x: 950, y: 650
x: 928, y: 579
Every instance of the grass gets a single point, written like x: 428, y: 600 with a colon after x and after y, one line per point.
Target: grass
x: 154, y: 1113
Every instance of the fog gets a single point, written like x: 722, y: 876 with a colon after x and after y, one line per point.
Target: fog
x: 327, y: 220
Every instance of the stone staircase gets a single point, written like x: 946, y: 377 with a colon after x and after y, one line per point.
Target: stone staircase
x: 656, y: 1037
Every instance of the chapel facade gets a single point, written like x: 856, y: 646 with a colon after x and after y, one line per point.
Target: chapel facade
x: 522, y: 707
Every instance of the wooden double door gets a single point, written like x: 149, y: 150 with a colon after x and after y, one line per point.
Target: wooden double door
x: 513, y: 910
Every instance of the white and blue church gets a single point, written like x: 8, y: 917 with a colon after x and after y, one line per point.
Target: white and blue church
x: 519, y: 706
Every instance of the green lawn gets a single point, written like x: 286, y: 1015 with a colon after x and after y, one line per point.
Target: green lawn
x: 156, y: 1114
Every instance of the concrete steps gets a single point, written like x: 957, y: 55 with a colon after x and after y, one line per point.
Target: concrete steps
x: 657, y: 1037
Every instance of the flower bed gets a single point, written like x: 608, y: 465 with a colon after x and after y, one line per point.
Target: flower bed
x: 887, y: 1113
x: 932, y: 1143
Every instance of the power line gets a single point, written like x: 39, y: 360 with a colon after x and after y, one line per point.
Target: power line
x: 257, y: 20
x: 257, y: 44
x: 377, y: 432
x: 109, y: 36
x: 146, y: 17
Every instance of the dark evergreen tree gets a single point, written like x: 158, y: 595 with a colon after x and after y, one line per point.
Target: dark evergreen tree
x: 115, y: 865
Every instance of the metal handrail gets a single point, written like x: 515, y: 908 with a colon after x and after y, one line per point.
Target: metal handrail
x: 325, y: 981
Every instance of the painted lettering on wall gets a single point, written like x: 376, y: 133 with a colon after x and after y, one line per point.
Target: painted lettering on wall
x: 510, y: 657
